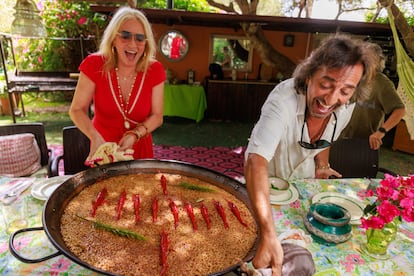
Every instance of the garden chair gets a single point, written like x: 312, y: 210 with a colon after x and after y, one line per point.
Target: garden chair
x: 18, y: 131
x: 353, y: 158
x: 76, y: 146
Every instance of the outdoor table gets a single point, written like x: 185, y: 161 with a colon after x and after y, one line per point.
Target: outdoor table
x: 341, y: 259
x: 38, y: 82
x: 187, y: 101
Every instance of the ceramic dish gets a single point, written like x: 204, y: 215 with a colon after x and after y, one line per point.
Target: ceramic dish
x: 353, y: 205
x: 291, y: 196
x: 44, y: 188
x: 279, y: 189
x: 325, y: 232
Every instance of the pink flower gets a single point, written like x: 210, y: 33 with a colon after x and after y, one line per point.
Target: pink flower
x: 408, y: 215
x: 373, y: 222
x: 351, y: 260
x: 407, y: 203
x: 388, y: 211
x: 395, y: 199
x: 61, y: 265
x: 82, y: 20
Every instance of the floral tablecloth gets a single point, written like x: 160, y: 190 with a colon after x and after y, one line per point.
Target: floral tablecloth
x: 342, y: 259
x: 346, y: 258
x: 33, y: 245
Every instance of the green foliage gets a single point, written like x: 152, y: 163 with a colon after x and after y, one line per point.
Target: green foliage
x: 65, y: 22
x: 384, y: 20
x: 187, y: 5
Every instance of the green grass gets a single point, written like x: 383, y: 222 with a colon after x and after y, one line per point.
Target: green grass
x: 51, y: 110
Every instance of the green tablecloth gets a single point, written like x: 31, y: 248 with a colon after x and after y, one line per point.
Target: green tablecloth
x: 187, y: 101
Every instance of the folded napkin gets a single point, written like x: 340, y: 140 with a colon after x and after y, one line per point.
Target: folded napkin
x: 109, y: 153
x: 13, y: 192
x: 297, y: 260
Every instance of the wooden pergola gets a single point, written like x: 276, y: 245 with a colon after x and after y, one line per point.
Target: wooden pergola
x: 276, y: 23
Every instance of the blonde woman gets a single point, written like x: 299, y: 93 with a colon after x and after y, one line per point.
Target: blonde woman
x: 125, y: 84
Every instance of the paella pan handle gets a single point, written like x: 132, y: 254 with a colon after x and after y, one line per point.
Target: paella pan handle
x: 19, y: 257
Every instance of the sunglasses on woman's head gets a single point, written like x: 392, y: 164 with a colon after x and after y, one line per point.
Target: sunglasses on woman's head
x: 320, y: 144
x: 127, y: 36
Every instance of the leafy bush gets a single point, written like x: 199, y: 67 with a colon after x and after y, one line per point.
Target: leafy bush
x: 67, y: 23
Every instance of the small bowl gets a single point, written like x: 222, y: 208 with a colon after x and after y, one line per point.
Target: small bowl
x: 330, y: 214
x: 328, y: 222
x: 279, y: 189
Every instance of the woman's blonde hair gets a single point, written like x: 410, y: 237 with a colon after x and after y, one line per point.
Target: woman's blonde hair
x: 107, y: 49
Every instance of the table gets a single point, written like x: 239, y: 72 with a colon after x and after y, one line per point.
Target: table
x: 341, y: 259
x: 187, y: 101
x: 37, y: 82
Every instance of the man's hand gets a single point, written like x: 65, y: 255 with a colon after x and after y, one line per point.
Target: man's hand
x: 375, y: 140
x: 269, y: 254
x: 326, y: 172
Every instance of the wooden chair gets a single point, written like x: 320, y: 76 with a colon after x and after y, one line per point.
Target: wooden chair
x: 38, y: 129
x: 354, y: 158
x: 76, y: 146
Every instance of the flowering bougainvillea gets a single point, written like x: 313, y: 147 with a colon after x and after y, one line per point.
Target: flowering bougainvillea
x: 394, y: 198
x: 66, y: 23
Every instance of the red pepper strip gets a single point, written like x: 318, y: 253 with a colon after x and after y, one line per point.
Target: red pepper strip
x: 236, y: 212
x: 154, y: 209
x: 163, y: 252
x: 220, y: 210
x: 204, y: 212
x: 121, y: 203
x: 137, y: 204
x: 100, y: 199
x: 164, y: 184
x: 190, y: 213
x: 174, y: 210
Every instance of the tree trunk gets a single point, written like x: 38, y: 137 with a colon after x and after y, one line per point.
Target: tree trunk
x: 254, y: 33
x: 402, y: 25
x: 267, y: 53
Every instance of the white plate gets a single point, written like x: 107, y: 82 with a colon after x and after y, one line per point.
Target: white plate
x: 353, y: 205
x: 292, y: 197
x: 42, y: 189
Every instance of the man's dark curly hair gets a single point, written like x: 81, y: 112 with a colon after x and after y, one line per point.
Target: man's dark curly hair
x: 335, y: 52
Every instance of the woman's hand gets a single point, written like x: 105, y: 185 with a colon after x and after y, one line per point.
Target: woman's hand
x: 95, y: 144
x: 127, y: 142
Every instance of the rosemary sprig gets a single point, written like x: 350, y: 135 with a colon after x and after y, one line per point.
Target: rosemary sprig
x: 117, y: 231
x: 193, y: 187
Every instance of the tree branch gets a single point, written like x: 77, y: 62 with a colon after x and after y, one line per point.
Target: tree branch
x: 229, y: 9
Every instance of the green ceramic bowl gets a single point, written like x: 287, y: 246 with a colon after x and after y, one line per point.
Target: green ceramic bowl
x: 330, y: 214
x: 328, y: 222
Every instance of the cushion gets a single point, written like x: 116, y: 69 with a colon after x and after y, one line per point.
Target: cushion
x: 19, y: 155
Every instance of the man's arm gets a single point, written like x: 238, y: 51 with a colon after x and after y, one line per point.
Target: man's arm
x: 375, y: 139
x: 269, y: 252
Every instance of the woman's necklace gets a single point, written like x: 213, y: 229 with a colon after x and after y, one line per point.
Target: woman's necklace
x: 123, y: 106
x: 124, y: 102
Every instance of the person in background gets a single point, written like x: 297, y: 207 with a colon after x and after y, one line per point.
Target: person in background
x: 227, y: 60
x: 300, y: 119
x: 125, y: 84
x: 368, y: 117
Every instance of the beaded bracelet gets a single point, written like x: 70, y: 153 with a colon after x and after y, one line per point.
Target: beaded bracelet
x: 146, y: 129
x: 135, y: 133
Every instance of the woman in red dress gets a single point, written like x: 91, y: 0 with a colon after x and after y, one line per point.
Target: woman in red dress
x: 125, y: 84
